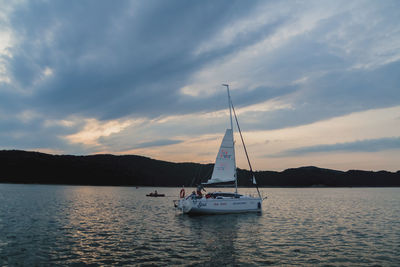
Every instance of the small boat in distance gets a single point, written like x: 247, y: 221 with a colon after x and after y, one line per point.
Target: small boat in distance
x: 224, y: 172
x: 155, y: 194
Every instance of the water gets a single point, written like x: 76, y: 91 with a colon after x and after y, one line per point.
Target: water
x: 76, y: 225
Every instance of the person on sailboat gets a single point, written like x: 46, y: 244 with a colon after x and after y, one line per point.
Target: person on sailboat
x: 199, y: 189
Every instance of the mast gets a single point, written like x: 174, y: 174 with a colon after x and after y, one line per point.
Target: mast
x: 229, y: 103
x: 230, y: 116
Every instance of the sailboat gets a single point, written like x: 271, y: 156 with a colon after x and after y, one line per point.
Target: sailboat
x: 224, y: 172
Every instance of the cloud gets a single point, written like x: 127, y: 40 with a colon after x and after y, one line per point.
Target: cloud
x: 33, y: 131
x: 127, y: 58
x: 157, y: 143
x: 120, y: 57
x: 159, y: 66
x: 320, y: 59
x: 133, y: 58
x: 93, y: 130
x: 369, y: 145
x: 328, y: 95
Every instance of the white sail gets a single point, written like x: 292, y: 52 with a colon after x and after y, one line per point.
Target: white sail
x: 225, y: 167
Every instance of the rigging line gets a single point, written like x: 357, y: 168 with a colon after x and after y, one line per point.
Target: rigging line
x: 198, y: 176
x: 209, y: 173
x: 245, y: 150
x: 195, y: 177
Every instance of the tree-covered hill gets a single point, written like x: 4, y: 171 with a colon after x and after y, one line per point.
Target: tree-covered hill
x: 34, y: 167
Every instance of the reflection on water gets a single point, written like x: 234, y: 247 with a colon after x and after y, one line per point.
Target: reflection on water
x: 66, y: 225
x: 214, y: 237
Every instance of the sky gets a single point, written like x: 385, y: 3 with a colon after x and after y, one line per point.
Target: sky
x: 314, y: 83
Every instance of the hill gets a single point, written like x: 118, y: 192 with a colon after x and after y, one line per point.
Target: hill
x: 33, y: 167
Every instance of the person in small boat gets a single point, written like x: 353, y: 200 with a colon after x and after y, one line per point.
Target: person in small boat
x: 199, y: 189
x: 154, y: 194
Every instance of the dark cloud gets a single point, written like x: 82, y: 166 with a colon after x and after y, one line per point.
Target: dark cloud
x: 36, y: 133
x: 369, y: 145
x: 113, y: 59
x: 333, y: 94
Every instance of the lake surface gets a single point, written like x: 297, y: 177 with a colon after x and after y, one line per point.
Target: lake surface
x: 77, y: 225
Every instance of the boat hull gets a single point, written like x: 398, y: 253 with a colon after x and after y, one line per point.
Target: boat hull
x: 219, y: 206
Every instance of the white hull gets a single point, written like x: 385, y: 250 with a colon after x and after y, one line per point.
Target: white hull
x: 192, y: 205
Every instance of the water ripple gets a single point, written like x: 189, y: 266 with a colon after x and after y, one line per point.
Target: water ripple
x: 74, y: 225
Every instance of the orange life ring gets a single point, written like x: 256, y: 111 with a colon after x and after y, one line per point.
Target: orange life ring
x: 182, y: 193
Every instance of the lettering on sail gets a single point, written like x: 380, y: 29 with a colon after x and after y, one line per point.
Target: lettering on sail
x: 224, y: 154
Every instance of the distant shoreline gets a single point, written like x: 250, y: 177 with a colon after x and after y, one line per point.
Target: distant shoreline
x: 25, y: 167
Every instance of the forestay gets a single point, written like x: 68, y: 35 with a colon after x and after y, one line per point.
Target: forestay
x: 225, y: 167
